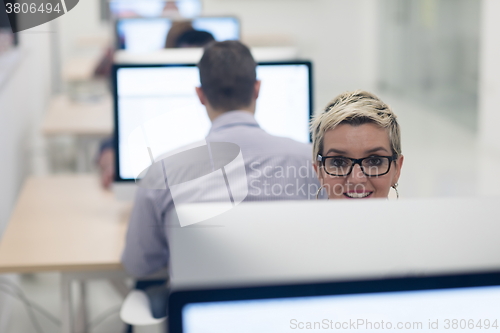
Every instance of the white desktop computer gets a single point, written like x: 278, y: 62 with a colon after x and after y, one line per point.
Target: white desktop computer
x: 362, y: 265
x: 157, y: 110
x: 149, y: 34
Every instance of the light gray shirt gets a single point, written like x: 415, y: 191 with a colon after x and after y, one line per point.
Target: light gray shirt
x: 277, y: 168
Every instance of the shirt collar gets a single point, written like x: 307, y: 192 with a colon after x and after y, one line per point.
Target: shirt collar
x: 243, y: 118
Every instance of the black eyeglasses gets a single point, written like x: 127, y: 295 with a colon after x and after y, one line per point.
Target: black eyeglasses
x: 371, y: 166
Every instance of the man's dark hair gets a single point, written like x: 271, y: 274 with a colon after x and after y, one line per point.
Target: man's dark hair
x: 194, y: 38
x: 227, y: 75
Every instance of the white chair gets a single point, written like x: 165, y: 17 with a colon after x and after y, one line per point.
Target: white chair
x: 136, y: 310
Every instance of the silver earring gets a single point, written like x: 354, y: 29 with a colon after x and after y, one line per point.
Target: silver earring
x: 395, y: 187
x: 319, y: 191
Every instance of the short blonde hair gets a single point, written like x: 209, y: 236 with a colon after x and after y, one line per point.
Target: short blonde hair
x: 355, y: 108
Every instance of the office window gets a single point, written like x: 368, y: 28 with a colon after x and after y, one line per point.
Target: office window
x: 429, y: 52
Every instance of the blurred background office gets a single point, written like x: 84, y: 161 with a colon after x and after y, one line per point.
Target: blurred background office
x: 436, y: 62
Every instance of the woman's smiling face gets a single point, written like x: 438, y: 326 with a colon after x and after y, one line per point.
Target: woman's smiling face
x: 357, y: 142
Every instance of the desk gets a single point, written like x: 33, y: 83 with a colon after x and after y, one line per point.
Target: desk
x: 66, y: 117
x: 193, y: 55
x: 81, y: 68
x: 88, y: 122
x: 66, y: 224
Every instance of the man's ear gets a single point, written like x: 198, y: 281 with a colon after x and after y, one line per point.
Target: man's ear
x: 201, y: 96
x: 256, y: 90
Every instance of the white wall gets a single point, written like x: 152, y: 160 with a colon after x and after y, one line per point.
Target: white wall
x: 489, y: 75
x: 340, y: 36
x: 82, y: 20
x: 22, y: 102
x: 23, y: 98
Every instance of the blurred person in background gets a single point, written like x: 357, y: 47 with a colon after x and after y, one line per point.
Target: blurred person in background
x: 177, y: 29
x: 194, y: 38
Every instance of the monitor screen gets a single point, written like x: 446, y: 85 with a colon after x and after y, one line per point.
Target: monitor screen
x: 432, y: 307
x: 411, y: 311
x: 156, y: 106
x: 155, y: 8
x: 150, y: 34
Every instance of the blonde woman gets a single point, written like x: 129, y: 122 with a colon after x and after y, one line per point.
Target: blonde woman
x: 357, y: 147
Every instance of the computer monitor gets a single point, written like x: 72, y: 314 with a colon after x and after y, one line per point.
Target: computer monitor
x: 432, y: 303
x: 150, y: 34
x: 154, y: 8
x: 157, y: 110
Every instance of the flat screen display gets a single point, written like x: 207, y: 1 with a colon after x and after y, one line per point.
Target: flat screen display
x: 150, y: 34
x: 462, y: 309
x: 155, y: 8
x: 157, y: 109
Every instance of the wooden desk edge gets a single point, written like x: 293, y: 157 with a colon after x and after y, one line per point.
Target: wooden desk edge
x: 56, y: 132
x: 60, y: 268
